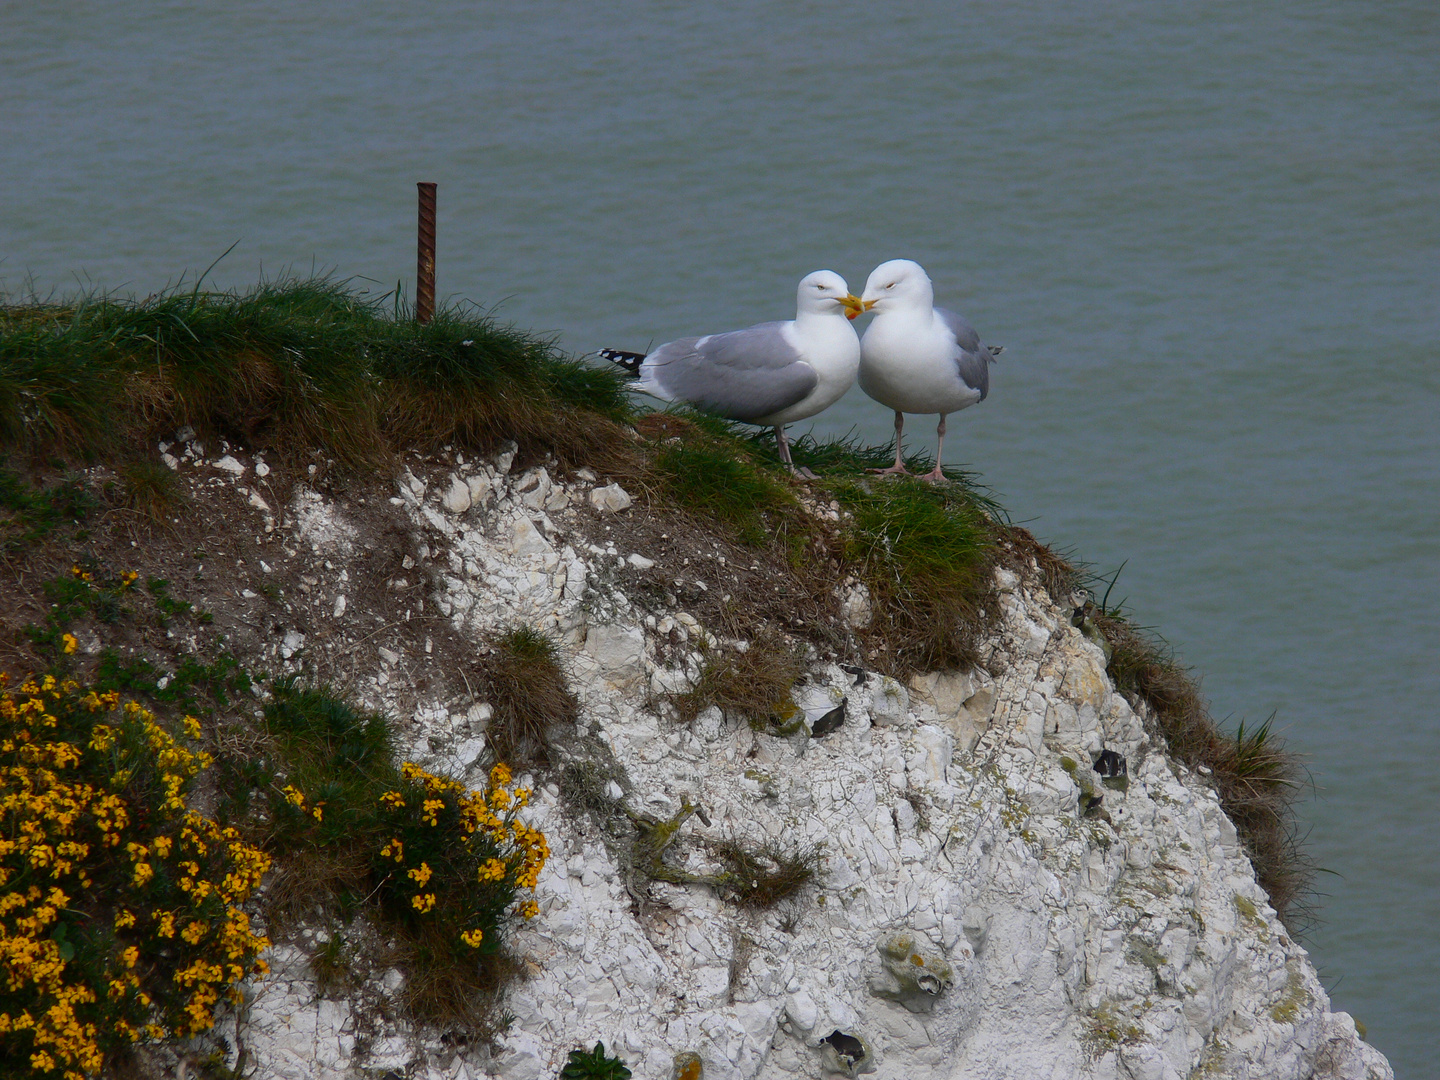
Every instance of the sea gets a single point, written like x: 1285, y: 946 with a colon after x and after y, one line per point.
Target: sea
x: 1208, y: 235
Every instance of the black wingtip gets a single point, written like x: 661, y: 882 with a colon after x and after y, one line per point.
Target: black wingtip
x: 630, y: 361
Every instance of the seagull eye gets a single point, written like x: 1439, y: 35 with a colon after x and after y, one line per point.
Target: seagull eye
x: 891, y: 285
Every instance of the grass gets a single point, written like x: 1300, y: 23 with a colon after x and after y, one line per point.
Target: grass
x: 297, y: 364
x: 761, y: 877
x: 521, y: 679
x: 29, y: 513
x: 755, y: 683
x: 927, y: 553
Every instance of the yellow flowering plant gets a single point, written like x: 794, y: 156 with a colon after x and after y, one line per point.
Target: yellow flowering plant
x: 455, y: 859
x: 120, y: 916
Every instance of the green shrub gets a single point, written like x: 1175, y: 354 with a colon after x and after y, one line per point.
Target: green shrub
x: 594, y: 1065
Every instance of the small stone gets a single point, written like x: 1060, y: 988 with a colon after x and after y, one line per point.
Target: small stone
x: 292, y: 643
x: 456, y: 499
x: 390, y: 656
x: 526, y: 539
x: 640, y: 562
x: 230, y: 465
x: 261, y: 469
x: 610, y: 499
x: 339, y: 605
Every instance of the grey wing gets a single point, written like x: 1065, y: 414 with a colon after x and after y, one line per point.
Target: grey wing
x: 741, y: 375
x: 971, y: 358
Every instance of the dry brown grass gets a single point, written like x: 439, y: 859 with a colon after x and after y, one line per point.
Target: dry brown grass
x: 520, y: 677
x: 755, y: 683
x: 758, y: 878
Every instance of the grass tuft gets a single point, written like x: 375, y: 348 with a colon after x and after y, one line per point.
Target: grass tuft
x: 755, y: 683
x: 149, y: 488
x: 927, y: 554
x: 521, y: 680
x: 761, y: 877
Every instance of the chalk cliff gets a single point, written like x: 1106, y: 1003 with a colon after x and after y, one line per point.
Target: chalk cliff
x: 993, y: 899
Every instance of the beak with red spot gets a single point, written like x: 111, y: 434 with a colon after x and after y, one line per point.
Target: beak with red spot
x: 853, y: 306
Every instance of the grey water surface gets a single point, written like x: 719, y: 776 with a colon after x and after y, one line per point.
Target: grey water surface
x: 1207, y: 233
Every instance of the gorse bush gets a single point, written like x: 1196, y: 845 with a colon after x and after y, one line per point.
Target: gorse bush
x: 119, y: 907
x: 456, y: 859
x: 440, y: 867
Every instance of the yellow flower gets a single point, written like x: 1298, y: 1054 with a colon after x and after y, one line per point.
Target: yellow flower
x: 395, y: 849
x: 529, y: 909
x: 493, y: 870
x: 71, y: 644
x: 500, y: 774
x: 473, y: 938
x: 422, y: 903
x: 124, y: 920
x: 421, y: 874
x: 191, y: 726
x: 394, y: 800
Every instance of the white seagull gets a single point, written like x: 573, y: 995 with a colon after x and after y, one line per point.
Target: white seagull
x: 918, y: 358
x: 771, y: 374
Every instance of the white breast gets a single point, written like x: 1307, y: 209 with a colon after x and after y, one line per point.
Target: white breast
x: 908, y: 363
x: 831, y: 347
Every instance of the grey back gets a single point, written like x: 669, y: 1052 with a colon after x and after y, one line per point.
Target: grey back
x: 741, y: 375
x: 972, y: 359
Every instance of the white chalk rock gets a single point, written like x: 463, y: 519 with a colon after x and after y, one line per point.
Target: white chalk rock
x: 525, y: 539
x: 456, y: 499
x: 610, y: 499
x: 619, y: 650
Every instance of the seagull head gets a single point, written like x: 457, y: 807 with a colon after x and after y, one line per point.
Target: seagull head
x: 899, y: 283
x: 824, y: 292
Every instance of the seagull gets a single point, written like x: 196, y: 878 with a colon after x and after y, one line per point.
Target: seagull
x: 770, y: 374
x: 918, y: 358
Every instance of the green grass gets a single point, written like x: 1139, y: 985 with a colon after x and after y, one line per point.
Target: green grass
x: 29, y: 513
x: 927, y: 553
x: 755, y: 684
x: 295, y: 363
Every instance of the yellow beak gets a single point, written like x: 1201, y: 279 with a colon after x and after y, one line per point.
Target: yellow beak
x: 866, y: 305
x: 853, y: 306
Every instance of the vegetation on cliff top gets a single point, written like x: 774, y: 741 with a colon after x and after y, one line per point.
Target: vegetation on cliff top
x: 299, y: 365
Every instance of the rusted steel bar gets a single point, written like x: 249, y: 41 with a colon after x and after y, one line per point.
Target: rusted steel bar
x: 425, y: 256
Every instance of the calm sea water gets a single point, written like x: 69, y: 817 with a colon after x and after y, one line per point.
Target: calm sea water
x: 1207, y: 233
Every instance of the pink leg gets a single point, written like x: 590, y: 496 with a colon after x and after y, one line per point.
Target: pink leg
x: 784, y: 445
x: 898, y: 469
x: 936, y: 475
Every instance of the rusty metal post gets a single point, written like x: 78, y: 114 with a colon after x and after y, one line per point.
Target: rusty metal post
x: 425, y: 257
